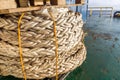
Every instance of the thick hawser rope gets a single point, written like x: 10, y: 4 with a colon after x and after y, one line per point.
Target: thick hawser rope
x: 39, y: 56
x: 20, y: 47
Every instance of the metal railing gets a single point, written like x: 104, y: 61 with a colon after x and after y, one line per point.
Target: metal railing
x: 100, y: 9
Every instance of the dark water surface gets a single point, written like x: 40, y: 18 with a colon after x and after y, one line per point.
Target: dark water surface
x: 103, y: 50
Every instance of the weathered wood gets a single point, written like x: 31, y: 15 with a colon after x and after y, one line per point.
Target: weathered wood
x: 5, y: 11
x: 38, y: 2
x: 79, y: 1
x: 58, y: 2
x: 6, y: 4
x: 23, y: 3
x: 82, y: 1
x: 47, y: 2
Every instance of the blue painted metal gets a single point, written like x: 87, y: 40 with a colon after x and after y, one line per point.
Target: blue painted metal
x: 82, y: 9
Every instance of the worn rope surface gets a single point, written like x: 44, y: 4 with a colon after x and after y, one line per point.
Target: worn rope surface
x: 20, y: 47
x: 38, y: 46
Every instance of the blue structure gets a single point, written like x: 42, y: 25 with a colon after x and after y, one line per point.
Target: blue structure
x: 82, y: 9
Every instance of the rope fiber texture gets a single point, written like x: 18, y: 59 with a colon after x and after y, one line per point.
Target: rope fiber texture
x: 38, y: 44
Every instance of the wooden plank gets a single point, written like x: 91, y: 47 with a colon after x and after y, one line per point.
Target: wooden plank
x: 47, y: 2
x: 82, y: 1
x: 38, y: 2
x: 79, y: 1
x: 6, y: 4
x: 58, y: 2
x: 6, y: 11
x: 23, y: 3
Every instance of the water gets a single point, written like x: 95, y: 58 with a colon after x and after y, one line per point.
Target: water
x: 103, y: 50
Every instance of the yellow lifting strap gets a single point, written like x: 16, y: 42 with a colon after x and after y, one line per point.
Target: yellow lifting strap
x: 56, y: 43
x: 20, y: 47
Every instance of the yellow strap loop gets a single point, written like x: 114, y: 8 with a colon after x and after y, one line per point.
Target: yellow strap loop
x: 56, y: 44
x: 20, y: 47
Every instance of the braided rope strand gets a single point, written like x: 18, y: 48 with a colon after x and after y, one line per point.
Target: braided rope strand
x: 38, y: 43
